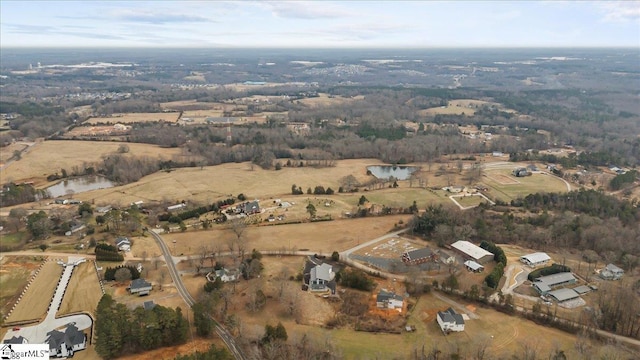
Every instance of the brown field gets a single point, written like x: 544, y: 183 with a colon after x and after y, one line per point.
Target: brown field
x: 324, y: 100
x: 503, y: 179
x: 217, y: 182
x: 15, y: 272
x: 132, y: 118
x: 188, y: 105
x: 83, y: 292
x: 49, y: 157
x: 35, y: 300
x: 6, y: 152
x: 462, y: 106
x: 323, y: 236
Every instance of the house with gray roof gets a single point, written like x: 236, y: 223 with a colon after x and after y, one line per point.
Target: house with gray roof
x: 16, y: 340
x: 418, y: 256
x: 449, y: 320
x: 65, y: 344
x: 611, y: 272
x: 140, y: 287
x: 320, y: 278
x: 389, y: 300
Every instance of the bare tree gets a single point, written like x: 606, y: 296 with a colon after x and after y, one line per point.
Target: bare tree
x: 239, y: 227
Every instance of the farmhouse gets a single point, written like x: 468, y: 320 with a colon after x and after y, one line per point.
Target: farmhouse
x: 224, y: 274
x: 321, y: 277
x: 140, y: 287
x: 473, y: 266
x: 472, y: 252
x: 418, y: 256
x: 250, y: 207
x: 123, y: 244
x: 611, y: 272
x: 449, y: 320
x: 562, y: 295
x: 389, y: 300
x: 64, y: 344
x: 535, y: 259
x: 544, y: 284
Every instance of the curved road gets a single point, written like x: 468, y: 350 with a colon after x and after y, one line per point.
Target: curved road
x: 182, y: 290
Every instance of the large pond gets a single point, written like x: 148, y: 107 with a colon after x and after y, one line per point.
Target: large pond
x: 387, y: 171
x: 78, y: 185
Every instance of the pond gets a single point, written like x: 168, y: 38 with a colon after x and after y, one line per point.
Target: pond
x: 387, y: 171
x: 78, y: 185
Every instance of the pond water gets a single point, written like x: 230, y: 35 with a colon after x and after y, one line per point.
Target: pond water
x: 386, y: 171
x: 78, y: 185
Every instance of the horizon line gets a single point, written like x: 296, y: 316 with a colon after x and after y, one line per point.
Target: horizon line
x: 229, y: 47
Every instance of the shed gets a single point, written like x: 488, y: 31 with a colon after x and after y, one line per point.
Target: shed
x: 535, y: 259
x: 473, y: 266
x: 562, y: 295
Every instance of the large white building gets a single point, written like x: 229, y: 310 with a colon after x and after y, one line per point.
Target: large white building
x: 472, y: 252
x: 535, y: 259
x: 449, y: 320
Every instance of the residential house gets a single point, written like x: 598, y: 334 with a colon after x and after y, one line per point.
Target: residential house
x: 140, y: 287
x: 535, y: 259
x: 611, y: 272
x: 418, y: 256
x: 449, y: 320
x: 250, y: 207
x: 224, y: 274
x: 16, y: 340
x: 389, y: 300
x: 65, y: 344
x: 320, y: 278
x: 123, y: 243
x: 521, y: 172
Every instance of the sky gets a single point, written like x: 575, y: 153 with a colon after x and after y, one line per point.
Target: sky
x: 320, y: 24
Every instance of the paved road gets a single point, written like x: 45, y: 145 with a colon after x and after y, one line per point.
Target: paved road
x: 182, y: 290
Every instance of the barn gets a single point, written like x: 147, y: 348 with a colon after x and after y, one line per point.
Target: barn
x: 472, y: 252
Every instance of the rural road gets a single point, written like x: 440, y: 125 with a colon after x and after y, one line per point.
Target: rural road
x: 182, y: 290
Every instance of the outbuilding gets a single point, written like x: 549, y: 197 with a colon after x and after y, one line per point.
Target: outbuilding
x: 535, y: 259
x: 472, y: 252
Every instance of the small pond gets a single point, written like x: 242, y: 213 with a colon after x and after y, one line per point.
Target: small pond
x: 78, y: 185
x: 386, y: 171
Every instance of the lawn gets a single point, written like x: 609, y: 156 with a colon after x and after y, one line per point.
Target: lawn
x: 467, y: 201
x: 525, y: 185
x: 48, y: 157
x: 36, y: 299
x: 83, y: 292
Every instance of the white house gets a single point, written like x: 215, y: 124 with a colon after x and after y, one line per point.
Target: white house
x: 611, y: 272
x: 224, y: 274
x: 449, y: 320
x: 123, y: 244
x: 320, y: 277
x: 64, y: 344
x: 389, y: 300
x: 535, y: 259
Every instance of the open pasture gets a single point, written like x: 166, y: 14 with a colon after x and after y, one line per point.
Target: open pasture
x: 83, y: 292
x: 189, y: 105
x: 49, y: 157
x: 324, y: 100
x: 14, y: 274
x: 36, y: 299
x: 326, y: 237
x: 132, y: 118
x: 466, y: 107
x: 507, y: 187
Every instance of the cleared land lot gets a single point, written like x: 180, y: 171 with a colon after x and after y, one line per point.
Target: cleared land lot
x: 323, y: 236
x: 132, y: 118
x: 36, y: 299
x: 324, y: 100
x: 83, y: 292
x: 508, y: 187
x: 49, y: 157
x: 15, y: 272
x: 461, y: 106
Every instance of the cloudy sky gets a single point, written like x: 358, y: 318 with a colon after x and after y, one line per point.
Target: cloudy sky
x: 319, y: 23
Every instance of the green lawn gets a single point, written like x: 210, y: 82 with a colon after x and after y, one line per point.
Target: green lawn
x: 13, y: 239
x: 466, y: 201
x: 525, y: 186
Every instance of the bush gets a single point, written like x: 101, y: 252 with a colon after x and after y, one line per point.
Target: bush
x: 355, y: 279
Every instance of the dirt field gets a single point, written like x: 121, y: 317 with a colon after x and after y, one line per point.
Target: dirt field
x: 14, y: 274
x: 324, y: 237
x: 132, y: 118
x: 185, y: 105
x: 324, y: 100
x: 463, y: 106
x: 83, y: 292
x: 7, y: 152
x: 36, y: 299
x: 49, y: 157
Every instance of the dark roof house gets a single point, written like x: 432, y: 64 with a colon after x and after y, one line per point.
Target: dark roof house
x: 140, y: 287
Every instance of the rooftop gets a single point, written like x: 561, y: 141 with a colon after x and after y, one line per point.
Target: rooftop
x: 563, y: 294
x: 536, y: 257
x: 419, y: 253
x: 470, y: 249
x: 450, y: 316
x: 473, y: 265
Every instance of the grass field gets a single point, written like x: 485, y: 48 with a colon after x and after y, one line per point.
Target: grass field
x: 49, y: 157
x: 14, y: 275
x: 462, y: 106
x: 132, y: 118
x: 330, y: 236
x: 467, y: 201
x: 324, y: 100
x: 83, y: 292
x: 36, y: 299
x: 521, y: 186
x: 6, y: 152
